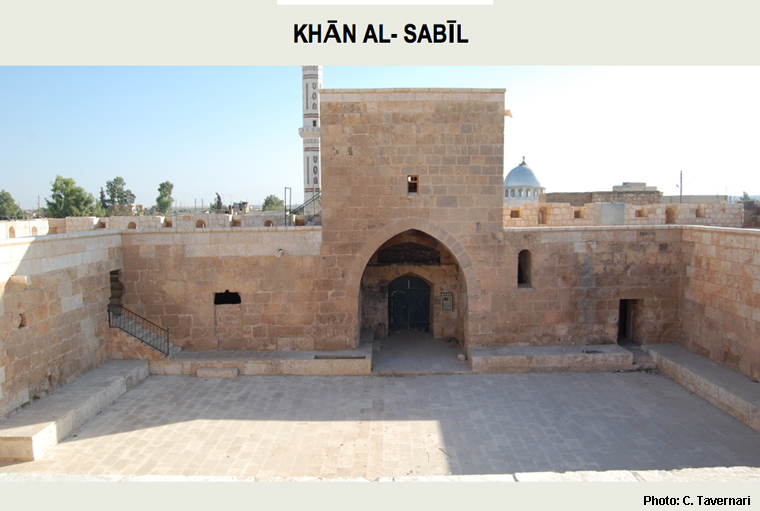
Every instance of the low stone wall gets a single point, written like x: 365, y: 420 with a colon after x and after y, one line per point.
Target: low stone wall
x: 53, y: 323
x: 564, y: 214
x: 720, y: 310
x: 23, y: 228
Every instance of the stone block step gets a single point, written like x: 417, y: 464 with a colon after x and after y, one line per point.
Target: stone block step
x: 302, y: 363
x: 39, y: 426
x: 538, y: 359
x: 217, y: 372
x: 730, y: 391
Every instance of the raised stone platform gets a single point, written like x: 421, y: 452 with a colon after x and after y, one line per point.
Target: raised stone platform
x: 208, y: 364
x: 543, y: 359
x: 39, y: 426
x: 730, y: 391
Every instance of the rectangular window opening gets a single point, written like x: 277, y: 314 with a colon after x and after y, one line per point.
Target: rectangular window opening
x: 515, y: 213
x: 413, y: 184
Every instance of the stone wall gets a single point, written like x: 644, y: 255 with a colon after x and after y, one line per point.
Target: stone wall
x: 579, y: 276
x: 556, y: 214
x: 581, y: 198
x: 53, y: 323
x: 171, y: 278
x: 721, y: 296
x: 23, y: 228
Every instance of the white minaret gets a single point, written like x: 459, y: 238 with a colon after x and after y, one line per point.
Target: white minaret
x: 312, y: 170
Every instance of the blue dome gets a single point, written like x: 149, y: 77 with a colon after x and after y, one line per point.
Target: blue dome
x: 521, y: 176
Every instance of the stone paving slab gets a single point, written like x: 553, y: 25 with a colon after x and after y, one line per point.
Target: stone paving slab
x: 530, y: 359
x: 415, y: 427
x: 42, y: 424
x: 730, y: 391
x: 406, y: 353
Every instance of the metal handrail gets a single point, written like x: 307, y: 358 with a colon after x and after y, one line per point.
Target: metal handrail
x: 139, y: 327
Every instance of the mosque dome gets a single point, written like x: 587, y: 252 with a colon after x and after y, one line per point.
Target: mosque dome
x: 521, y: 176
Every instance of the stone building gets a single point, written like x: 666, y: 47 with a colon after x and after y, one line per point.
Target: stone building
x: 415, y: 235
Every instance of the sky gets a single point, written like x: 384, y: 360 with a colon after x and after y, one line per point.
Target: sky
x: 234, y: 130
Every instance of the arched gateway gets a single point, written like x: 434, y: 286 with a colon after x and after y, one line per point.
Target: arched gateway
x: 413, y: 283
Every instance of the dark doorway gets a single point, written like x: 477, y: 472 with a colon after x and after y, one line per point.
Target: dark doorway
x: 625, y: 321
x: 409, y: 304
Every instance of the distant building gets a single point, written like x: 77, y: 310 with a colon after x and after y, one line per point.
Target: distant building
x: 521, y: 186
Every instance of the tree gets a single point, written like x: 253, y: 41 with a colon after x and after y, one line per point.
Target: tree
x: 217, y: 204
x: 164, y: 201
x: 69, y: 199
x: 746, y: 198
x: 8, y: 207
x: 272, y: 203
x: 119, y: 198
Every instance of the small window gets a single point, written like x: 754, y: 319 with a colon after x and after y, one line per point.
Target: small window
x: 200, y: 224
x: 701, y: 212
x: 314, y: 123
x: 640, y: 213
x: 226, y: 298
x: 543, y: 216
x: 132, y: 225
x: 577, y: 214
x: 515, y: 213
x: 511, y: 193
x: 670, y: 216
x: 22, y: 320
x: 268, y: 223
x: 34, y: 231
x: 11, y: 232
x: 523, y: 269
x: 413, y: 184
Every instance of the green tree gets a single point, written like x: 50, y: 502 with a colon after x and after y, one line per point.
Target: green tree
x: 746, y: 198
x: 273, y: 203
x: 69, y: 199
x: 118, y: 197
x: 164, y: 201
x: 217, y: 204
x: 8, y: 207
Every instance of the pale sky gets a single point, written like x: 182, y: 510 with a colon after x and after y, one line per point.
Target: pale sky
x: 234, y: 130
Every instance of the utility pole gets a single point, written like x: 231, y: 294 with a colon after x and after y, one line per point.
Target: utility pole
x: 680, y: 189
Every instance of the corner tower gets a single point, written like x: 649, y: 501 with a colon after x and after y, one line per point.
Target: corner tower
x: 311, y: 83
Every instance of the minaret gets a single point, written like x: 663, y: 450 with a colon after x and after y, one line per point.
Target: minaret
x: 312, y: 170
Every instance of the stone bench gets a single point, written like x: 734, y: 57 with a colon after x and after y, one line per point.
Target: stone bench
x: 542, y: 359
x: 730, y: 391
x: 39, y: 426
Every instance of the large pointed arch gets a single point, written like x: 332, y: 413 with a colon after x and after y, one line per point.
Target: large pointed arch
x: 354, y: 274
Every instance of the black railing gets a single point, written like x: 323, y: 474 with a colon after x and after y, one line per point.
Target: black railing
x: 138, y: 327
x: 315, y: 210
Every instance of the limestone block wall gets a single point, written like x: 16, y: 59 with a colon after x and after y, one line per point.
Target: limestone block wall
x: 564, y: 214
x: 721, y: 297
x: 172, y: 278
x: 579, y: 276
x: 375, y: 141
x: 53, y: 323
x: 23, y: 228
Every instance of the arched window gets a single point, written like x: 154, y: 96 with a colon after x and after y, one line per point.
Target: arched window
x: 512, y: 193
x: 520, y: 192
x: 543, y: 216
x: 11, y: 232
x: 523, y: 269
x: 268, y: 223
x: 200, y: 224
x: 34, y: 231
x: 670, y: 216
x: 132, y: 225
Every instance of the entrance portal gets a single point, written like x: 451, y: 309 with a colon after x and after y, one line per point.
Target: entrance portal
x: 409, y: 304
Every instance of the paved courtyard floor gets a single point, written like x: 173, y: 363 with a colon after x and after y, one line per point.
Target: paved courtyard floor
x: 375, y: 427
